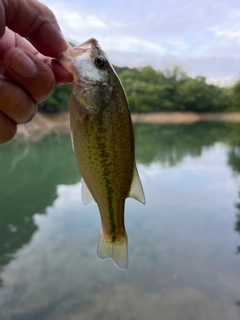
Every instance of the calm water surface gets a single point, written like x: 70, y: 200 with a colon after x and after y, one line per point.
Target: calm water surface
x: 183, y: 244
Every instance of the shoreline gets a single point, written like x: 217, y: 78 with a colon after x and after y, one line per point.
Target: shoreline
x: 184, y: 117
x: 45, y: 124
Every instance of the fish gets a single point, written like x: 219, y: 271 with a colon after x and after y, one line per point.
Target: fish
x: 103, y: 141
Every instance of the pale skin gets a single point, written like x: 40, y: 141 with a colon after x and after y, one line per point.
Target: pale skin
x: 28, y: 69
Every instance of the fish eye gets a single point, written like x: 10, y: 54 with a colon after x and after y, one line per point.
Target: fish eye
x: 99, y: 61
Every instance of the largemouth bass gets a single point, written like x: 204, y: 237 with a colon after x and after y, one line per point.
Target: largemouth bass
x: 103, y: 141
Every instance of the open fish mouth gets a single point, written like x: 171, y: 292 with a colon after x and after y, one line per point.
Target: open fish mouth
x: 86, y: 48
x: 89, y: 44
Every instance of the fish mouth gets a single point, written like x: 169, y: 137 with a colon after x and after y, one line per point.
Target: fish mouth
x: 89, y: 47
x: 86, y: 47
x: 85, y: 51
x: 90, y: 44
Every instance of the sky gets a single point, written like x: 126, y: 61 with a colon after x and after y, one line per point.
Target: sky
x: 201, y: 36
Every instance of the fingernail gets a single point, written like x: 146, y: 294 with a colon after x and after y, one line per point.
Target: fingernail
x: 23, y: 65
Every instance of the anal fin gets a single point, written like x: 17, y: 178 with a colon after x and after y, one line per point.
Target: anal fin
x: 136, y: 190
x: 86, y: 194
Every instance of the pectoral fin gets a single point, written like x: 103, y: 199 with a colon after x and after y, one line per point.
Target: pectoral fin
x: 136, y: 190
x: 86, y: 194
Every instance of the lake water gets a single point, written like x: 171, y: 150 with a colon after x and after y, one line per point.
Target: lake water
x: 183, y: 244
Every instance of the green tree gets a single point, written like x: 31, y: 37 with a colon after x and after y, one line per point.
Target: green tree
x: 235, y: 97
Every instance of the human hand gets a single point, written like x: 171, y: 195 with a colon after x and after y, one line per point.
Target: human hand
x: 28, y: 69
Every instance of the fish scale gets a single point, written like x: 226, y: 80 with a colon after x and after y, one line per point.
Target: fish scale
x: 108, y: 160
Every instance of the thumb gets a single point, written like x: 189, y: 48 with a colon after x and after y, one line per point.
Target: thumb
x: 34, y: 75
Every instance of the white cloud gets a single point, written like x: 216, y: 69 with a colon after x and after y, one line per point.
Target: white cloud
x: 70, y: 19
x: 229, y: 28
x: 203, y: 37
x: 228, y: 34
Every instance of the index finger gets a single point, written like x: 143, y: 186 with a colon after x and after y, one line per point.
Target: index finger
x: 33, y: 20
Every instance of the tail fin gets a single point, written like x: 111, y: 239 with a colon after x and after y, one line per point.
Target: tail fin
x: 117, y: 251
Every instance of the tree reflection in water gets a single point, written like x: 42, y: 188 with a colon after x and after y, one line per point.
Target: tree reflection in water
x: 29, y: 176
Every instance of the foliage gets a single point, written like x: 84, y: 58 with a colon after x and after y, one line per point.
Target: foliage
x: 235, y: 95
x: 151, y: 90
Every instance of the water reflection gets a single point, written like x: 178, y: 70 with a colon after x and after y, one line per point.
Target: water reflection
x: 182, y: 243
x: 169, y: 144
x: 28, y: 179
x: 234, y: 163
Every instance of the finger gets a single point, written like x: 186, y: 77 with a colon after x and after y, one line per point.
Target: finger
x: 15, y: 103
x: 35, y: 21
x: 61, y: 75
x: 35, y: 76
x: 11, y: 39
x: 8, y: 128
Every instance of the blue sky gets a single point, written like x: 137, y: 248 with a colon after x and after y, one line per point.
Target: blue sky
x: 202, y: 36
